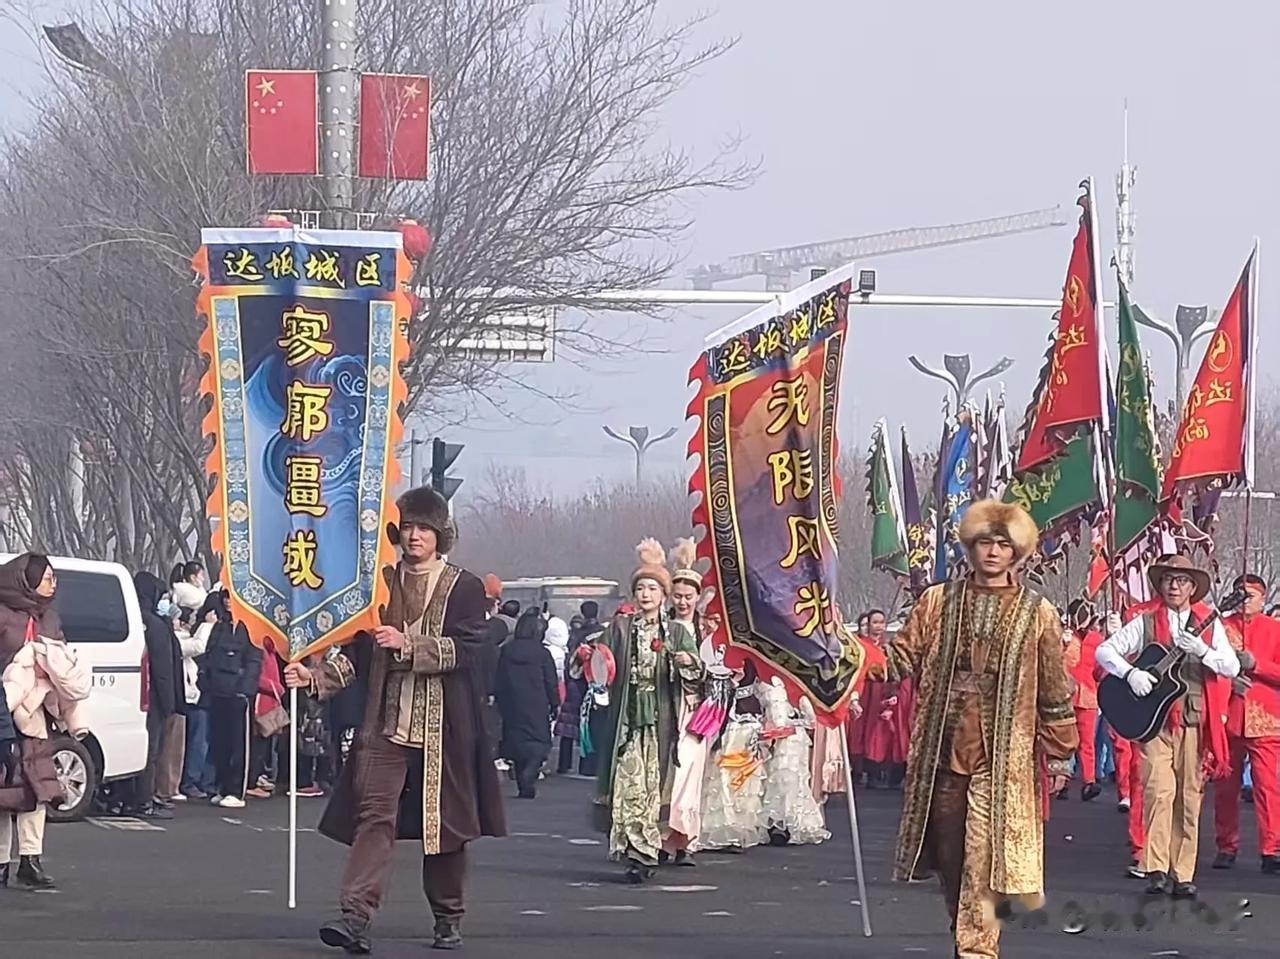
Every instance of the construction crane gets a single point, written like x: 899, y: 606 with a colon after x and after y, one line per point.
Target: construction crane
x: 777, y: 266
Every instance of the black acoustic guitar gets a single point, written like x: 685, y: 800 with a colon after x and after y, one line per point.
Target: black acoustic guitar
x: 1140, y: 718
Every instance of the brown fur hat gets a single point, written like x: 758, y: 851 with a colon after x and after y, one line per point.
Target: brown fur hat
x: 1009, y: 521
x: 423, y: 506
x: 652, y: 565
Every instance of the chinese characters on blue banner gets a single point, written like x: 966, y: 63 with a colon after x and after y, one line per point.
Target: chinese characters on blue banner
x: 307, y: 331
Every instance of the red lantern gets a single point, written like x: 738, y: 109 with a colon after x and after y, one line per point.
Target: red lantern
x: 276, y: 221
x: 417, y: 241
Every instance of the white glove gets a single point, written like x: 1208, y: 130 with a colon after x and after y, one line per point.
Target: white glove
x: 1191, y: 643
x: 1141, y: 682
x: 1113, y: 623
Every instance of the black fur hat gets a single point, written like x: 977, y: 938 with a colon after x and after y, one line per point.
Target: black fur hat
x: 423, y: 506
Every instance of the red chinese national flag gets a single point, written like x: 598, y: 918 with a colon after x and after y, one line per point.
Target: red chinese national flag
x: 395, y: 126
x: 1073, y: 388
x: 1214, y: 438
x: 282, y: 132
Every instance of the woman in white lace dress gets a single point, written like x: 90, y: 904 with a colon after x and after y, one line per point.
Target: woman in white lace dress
x: 733, y: 790
x: 791, y: 814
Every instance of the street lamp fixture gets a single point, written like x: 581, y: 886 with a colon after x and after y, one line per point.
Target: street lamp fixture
x: 955, y: 373
x: 639, y: 440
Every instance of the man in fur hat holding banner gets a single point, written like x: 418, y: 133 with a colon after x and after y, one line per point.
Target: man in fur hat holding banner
x: 1193, y: 742
x: 992, y: 702
x: 422, y: 767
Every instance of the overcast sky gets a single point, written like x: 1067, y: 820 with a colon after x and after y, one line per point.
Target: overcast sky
x: 876, y: 115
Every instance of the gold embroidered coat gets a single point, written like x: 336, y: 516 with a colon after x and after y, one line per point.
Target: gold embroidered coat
x: 453, y: 796
x: 1023, y: 711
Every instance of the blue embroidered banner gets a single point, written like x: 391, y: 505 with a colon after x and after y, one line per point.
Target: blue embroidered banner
x: 306, y: 332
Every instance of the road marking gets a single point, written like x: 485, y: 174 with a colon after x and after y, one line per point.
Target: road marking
x: 126, y: 824
x: 688, y: 888
x: 584, y: 842
x: 612, y: 908
x: 532, y: 912
x: 718, y: 913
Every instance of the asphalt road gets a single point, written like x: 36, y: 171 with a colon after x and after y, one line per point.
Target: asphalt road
x: 212, y: 882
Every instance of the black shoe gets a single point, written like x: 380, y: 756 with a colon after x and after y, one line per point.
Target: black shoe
x: 1135, y: 871
x: 1158, y: 884
x: 683, y: 858
x: 1224, y: 860
x: 1184, y: 890
x: 1090, y: 791
x: 448, y: 935
x: 347, y: 933
x: 1247, y: 794
x: 31, y: 874
x: 4, y: 874
x: 1270, y: 865
x: 1062, y: 793
x: 527, y: 794
x: 637, y: 872
x: 154, y: 812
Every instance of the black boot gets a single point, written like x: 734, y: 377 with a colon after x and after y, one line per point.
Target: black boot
x: 448, y: 934
x: 4, y: 874
x: 347, y: 933
x: 32, y: 875
x: 1090, y: 791
x: 1270, y: 865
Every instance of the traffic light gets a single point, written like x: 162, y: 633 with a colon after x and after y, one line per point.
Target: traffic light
x: 442, y: 456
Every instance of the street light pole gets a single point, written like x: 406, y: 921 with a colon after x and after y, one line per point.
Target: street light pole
x: 639, y: 440
x: 338, y: 110
x: 1191, y: 323
x: 955, y: 373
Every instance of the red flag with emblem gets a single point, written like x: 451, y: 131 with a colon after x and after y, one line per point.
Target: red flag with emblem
x: 395, y: 125
x: 281, y: 124
x: 1215, y: 436
x: 1073, y: 391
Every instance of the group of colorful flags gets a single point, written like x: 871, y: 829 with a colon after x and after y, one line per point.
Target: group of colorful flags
x: 1088, y: 453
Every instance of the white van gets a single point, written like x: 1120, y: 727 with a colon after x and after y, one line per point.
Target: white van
x: 103, y: 622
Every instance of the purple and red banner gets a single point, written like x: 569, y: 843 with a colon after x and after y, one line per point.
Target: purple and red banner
x: 766, y: 485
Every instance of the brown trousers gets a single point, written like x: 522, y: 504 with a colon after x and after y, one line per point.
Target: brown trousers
x: 1172, y: 790
x: 958, y: 837
x: 380, y: 775
x: 169, y: 769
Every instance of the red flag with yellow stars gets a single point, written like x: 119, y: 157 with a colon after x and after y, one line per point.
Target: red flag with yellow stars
x: 1215, y: 436
x: 1073, y: 391
x: 395, y: 125
x: 281, y: 123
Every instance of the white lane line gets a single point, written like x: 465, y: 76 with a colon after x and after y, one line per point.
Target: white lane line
x: 612, y: 908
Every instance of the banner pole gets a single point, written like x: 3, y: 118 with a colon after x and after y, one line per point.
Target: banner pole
x: 853, y: 829
x: 293, y: 798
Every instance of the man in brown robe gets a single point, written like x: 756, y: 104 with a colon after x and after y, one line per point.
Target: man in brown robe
x: 992, y: 700
x: 421, y: 767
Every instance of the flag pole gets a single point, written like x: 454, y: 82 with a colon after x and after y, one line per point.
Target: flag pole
x: 293, y: 798
x: 853, y: 829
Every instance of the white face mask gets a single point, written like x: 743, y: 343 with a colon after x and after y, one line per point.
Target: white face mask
x: 164, y: 608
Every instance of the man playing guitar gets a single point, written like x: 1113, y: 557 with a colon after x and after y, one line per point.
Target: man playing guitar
x: 1193, y: 739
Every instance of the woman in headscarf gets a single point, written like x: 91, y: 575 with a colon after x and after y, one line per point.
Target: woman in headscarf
x: 527, y: 692
x: 27, y: 585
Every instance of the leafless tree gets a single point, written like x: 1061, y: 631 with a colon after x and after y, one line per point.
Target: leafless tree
x: 548, y: 175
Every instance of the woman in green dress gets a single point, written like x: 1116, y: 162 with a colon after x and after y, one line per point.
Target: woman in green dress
x: 656, y: 660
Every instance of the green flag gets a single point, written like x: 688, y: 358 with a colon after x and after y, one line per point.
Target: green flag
x: 1058, y: 492
x: 1137, y: 465
x: 888, y: 532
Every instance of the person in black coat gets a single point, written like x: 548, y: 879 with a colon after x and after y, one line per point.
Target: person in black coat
x: 229, y: 672
x: 528, y: 694
x: 167, y: 694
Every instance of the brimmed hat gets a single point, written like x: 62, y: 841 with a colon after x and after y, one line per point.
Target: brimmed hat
x: 1183, y: 566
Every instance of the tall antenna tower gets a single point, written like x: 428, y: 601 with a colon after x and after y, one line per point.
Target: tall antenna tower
x: 1125, y: 180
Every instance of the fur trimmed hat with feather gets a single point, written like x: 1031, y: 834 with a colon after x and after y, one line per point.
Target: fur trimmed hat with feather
x: 682, y: 557
x: 652, y: 558
x: 990, y: 518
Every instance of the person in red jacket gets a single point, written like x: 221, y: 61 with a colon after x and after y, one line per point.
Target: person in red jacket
x: 1079, y: 657
x: 1253, y: 729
